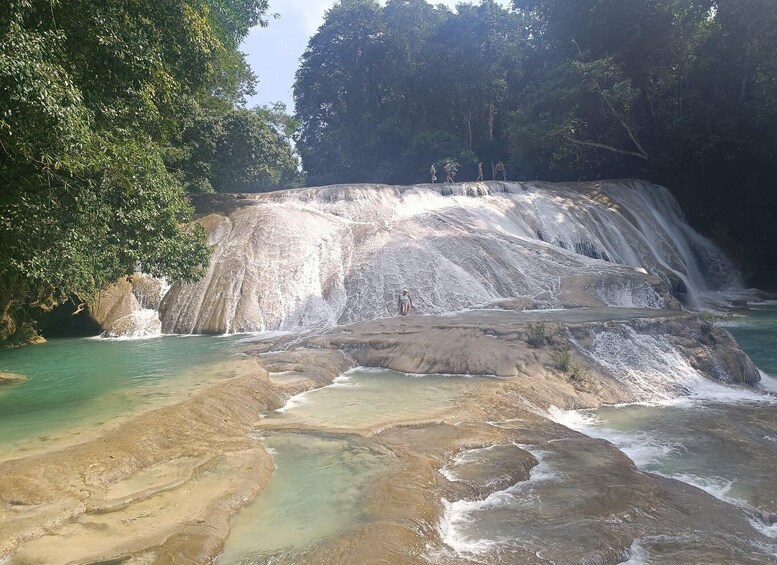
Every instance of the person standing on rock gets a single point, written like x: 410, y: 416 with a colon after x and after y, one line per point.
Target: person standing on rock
x: 480, y: 171
x: 500, y: 170
x: 405, y: 303
x: 433, y: 174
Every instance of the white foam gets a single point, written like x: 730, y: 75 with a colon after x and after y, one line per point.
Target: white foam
x: 295, y: 401
x: 658, y: 373
x: 579, y: 420
x: 647, y: 452
x: 769, y: 530
x: 462, y: 458
x: 768, y: 382
x: 373, y: 370
x: 344, y: 381
x: 112, y: 338
x: 719, y: 487
x: 637, y: 555
x: 449, y: 474
x: 454, y: 519
x: 652, y: 368
x: 458, y: 515
x: 642, y: 449
x: 140, y: 324
x: 249, y: 337
x: 707, y: 391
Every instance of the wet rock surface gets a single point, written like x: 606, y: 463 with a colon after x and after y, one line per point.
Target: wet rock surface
x: 341, y: 254
x: 163, y: 487
x: 11, y: 378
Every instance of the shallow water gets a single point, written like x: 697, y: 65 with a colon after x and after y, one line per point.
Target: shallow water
x: 86, y: 382
x: 322, y: 479
x: 318, y: 490
x: 505, y: 523
x: 727, y: 451
x: 756, y: 332
x: 720, y: 439
x: 369, y: 398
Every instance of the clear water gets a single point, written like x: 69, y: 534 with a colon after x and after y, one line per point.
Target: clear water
x: 369, y: 398
x: 86, y: 382
x: 322, y: 478
x: 317, y: 491
x: 728, y: 451
x: 756, y: 332
x: 545, y: 519
x: 726, y: 446
x: 722, y: 440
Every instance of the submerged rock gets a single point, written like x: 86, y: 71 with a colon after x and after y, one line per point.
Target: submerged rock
x: 11, y: 378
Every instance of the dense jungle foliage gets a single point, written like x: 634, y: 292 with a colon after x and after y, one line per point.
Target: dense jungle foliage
x: 109, y: 111
x: 680, y: 92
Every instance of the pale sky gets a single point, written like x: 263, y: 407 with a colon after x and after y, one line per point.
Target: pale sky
x: 274, y: 52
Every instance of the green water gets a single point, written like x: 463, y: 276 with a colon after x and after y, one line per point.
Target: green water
x: 756, y: 333
x: 322, y: 478
x: 725, y: 445
x: 366, y: 398
x: 317, y: 491
x: 86, y: 382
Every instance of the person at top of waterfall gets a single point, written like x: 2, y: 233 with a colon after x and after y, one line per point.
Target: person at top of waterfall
x: 480, y: 171
x: 405, y: 303
x: 448, y: 168
x: 433, y: 173
x: 500, y: 171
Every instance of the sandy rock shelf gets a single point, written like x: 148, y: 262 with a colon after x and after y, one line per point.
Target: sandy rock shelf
x: 163, y: 487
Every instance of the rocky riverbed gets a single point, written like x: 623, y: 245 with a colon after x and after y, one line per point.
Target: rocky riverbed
x: 164, y: 486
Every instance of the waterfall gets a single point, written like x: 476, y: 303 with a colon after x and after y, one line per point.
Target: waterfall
x: 319, y: 257
x: 137, y: 316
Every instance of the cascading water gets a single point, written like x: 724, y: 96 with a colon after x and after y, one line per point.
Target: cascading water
x: 325, y: 256
x: 141, y: 319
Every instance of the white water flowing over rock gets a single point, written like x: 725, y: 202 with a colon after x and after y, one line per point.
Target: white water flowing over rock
x: 138, y: 313
x: 324, y: 256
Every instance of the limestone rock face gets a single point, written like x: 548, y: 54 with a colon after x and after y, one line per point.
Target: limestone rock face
x: 114, y: 303
x: 726, y: 360
x: 321, y: 257
x: 129, y: 308
x: 148, y: 291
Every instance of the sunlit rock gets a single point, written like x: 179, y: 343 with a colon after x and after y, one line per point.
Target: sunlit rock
x: 320, y: 257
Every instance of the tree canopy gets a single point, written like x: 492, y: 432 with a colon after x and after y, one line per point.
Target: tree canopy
x: 680, y: 92
x: 381, y: 93
x: 97, y: 104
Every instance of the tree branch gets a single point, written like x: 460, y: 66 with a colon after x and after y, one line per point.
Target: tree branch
x: 607, y: 147
x: 642, y: 153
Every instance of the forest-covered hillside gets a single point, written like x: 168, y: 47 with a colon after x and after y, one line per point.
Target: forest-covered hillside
x: 113, y: 113
x: 109, y: 113
x: 680, y: 92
